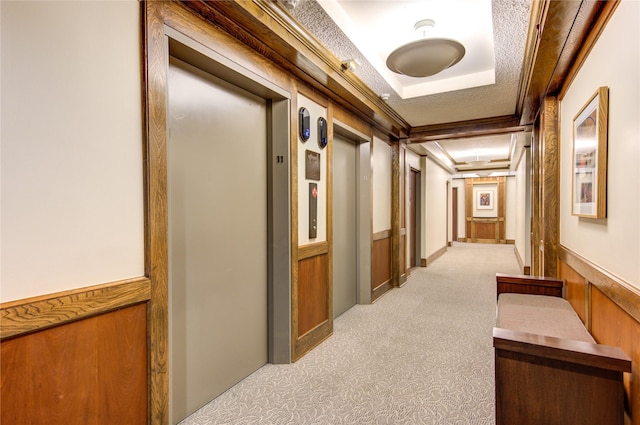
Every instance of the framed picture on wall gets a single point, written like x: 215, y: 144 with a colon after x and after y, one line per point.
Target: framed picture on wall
x: 484, y: 199
x: 589, y: 189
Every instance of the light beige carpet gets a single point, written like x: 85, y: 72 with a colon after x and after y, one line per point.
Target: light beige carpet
x: 422, y: 354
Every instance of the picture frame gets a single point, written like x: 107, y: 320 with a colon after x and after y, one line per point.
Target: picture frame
x: 485, y: 199
x: 589, y: 169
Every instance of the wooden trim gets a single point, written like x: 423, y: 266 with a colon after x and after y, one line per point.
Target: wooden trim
x: 342, y: 117
x: 587, y: 44
x: 566, y: 350
x: 384, y: 234
x: 619, y: 291
x: 536, y: 17
x: 267, y: 27
x: 433, y: 257
x: 156, y: 214
x: 463, y: 129
x: 311, y: 339
x: 312, y: 250
x: 380, y: 290
x: 42, y: 312
x: 557, y: 31
x: 549, y: 173
x: 318, y: 99
x: 524, y: 284
x: 396, y: 210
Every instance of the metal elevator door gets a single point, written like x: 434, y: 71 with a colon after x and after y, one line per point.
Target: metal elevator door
x: 217, y: 195
x: 345, y: 199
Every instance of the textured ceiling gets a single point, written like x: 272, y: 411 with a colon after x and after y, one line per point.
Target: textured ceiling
x: 510, y: 22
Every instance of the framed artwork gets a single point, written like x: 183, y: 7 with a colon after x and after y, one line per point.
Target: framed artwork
x: 589, y: 189
x: 485, y: 199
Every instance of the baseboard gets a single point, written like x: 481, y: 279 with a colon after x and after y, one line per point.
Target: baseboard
x: 381, y: 290
x: 425, y: 262
x: 526, y: 270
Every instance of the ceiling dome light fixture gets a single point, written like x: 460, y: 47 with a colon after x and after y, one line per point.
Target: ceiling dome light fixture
x: 427, y: 56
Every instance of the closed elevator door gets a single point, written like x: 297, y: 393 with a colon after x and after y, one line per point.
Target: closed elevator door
x: 217, y: 195
x: 344, y: 225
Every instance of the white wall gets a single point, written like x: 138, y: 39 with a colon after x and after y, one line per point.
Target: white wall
x: 434, y: 207
x: 72, y: 187
x: 522, y: 208
x: 612, y: 243
x: 315, y: 111
x: 510, y: 208
x: 381, y: 180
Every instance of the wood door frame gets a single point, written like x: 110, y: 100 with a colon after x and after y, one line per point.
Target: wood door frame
x: 414, y: 223
x: 170, y: 29
x: 454, y: 214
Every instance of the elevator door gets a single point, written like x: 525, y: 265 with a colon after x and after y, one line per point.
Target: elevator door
x: 217, y: 195
x: 344, y: 225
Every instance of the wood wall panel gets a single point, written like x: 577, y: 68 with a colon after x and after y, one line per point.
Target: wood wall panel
x: 381, y: 262
x: 485, y: 229
x: 612, y: 309
x: 611, y: 325
x: 122, y: 366
x: 575, y: 290
x: 312, y: 293
x: 91, y: 371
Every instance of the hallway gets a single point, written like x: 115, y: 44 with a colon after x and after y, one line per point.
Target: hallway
x: 428, y: 360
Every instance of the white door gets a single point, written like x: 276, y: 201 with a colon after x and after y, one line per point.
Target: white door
x: 217, y: 195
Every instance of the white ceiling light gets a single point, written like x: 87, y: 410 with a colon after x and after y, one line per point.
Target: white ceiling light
x: 478, y: 162
x: 427, y: 56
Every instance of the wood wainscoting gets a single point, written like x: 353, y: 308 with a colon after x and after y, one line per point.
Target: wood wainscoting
x: 312, y: 297
x: 381, y: 278
x: 77, y: 357
x: 490, y: 228
x: 610, y: 309
x: 485, y: 230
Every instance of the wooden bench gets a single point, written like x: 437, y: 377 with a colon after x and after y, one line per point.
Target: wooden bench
x: 548, y: 368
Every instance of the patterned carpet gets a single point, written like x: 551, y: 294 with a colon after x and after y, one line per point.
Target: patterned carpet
x: 422, y: 354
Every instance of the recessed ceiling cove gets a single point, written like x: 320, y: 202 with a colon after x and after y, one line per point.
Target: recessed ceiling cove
x: 416, y: 62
